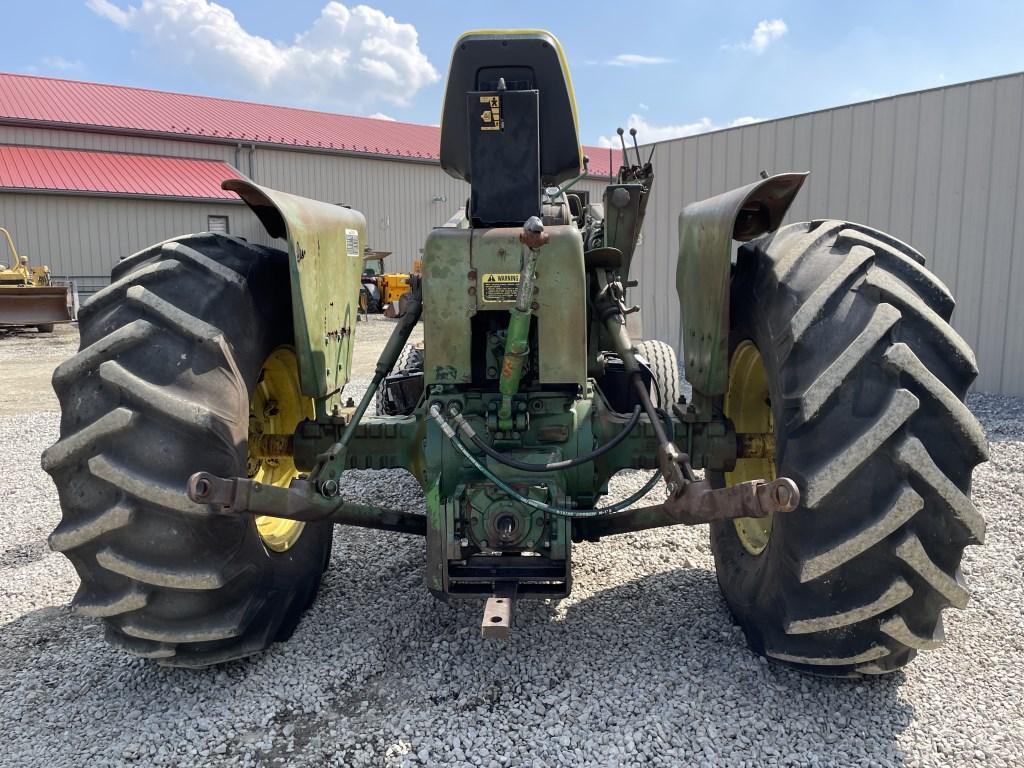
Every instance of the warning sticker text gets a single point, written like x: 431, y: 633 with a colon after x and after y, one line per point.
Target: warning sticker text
x: 352, y: 242
x: 500, y: 286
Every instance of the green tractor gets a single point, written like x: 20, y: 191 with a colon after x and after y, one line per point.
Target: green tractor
x: 206, y: 431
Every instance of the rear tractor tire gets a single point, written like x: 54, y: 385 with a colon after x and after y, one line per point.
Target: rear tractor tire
x: 185, y: 354
x: 841, y: 346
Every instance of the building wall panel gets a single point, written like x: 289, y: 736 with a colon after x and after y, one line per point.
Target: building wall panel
x: 84, y: 237
x: 941, y: 169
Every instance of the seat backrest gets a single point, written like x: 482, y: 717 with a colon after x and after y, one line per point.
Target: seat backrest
x: 520, y: 60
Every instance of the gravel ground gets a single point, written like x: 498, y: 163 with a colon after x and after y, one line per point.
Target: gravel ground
x: 640, y: 666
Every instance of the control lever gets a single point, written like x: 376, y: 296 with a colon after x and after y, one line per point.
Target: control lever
x: 639, y: 162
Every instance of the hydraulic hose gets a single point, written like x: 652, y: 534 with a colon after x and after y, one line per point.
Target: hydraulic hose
x: 449, y: 431
x: 553, y: 466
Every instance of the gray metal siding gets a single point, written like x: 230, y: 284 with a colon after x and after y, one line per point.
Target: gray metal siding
x: 85, y: 237
x: 940, y: 169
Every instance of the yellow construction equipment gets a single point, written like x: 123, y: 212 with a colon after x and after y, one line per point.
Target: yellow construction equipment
x: 27, y: 296
x: 380, y: 290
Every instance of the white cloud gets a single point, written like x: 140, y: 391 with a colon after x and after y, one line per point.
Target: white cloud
x: 348, y: 58
x: 109, y: 11
x: 382, y: 116
x: 648, y: 134
x: 56, y: 65
x: 635, y: 60
x: 765, y: 33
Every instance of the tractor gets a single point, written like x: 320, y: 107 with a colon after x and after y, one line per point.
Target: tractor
x: 206, y: 431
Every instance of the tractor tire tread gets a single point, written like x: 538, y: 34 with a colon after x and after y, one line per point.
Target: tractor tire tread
x: 157, y: 392
x: 872, y: 425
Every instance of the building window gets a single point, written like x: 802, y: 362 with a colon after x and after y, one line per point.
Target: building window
x: 218, y: 224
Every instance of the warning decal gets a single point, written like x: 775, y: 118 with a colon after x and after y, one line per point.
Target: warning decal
x: 500, y: 286
x: 352, y: 242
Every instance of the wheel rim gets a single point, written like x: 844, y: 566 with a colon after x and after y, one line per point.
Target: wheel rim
x: 748, y: 407
x: 276, y: 407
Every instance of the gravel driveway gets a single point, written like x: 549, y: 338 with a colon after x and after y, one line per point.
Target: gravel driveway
x: 640, y: 666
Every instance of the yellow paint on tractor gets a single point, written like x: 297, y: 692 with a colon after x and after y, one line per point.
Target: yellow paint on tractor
x: 276, y: 406
x: 748, y: 406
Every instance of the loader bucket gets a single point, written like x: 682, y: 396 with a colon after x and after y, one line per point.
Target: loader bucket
x: 34, y: 305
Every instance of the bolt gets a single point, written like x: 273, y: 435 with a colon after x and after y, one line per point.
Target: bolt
x: 472, y: 290
x: 329, y: 488
x: 782, y: 495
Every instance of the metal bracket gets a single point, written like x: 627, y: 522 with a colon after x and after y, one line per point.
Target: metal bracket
x: 499, y: 612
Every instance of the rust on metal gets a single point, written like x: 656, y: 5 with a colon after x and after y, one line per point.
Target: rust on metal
x: 696, y: 503
x: 534, y: 240
x: 271, y: 446
x: 755, y: 445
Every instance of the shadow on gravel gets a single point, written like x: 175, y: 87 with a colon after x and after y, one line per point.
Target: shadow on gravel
x: 671, y: 632
x: 653, y: 664
x: 23, y: 554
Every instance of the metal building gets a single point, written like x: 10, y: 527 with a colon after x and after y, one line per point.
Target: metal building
x: 90, y: 173
x: 941, y: 169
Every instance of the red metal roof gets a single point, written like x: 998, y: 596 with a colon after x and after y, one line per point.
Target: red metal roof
x: 72, y: 170
x: 115, y: 107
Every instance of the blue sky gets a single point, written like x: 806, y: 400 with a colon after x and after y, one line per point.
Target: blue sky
x: 668, y: 67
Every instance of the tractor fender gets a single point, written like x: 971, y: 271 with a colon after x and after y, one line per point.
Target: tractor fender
x: 325, y: 253
x: 706, y: 231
